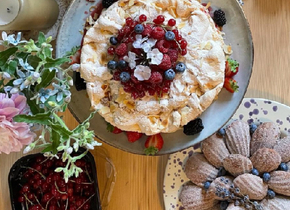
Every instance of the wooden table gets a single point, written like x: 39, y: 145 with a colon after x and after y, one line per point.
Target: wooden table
x: 139, y: 178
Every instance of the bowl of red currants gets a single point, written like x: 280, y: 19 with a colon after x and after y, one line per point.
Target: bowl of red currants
x: 34, y: 185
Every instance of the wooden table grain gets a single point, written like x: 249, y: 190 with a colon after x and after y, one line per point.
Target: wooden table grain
x: 139, y: 179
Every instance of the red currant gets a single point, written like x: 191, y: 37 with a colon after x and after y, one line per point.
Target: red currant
x: 171, y: 22
x: 129, y: 20
x: 184, y: 51
x: 25, y: 188
x: 111, y: 50
x: 159, y: 19
x: 21, y: 199
x: 183, y: 43
x: 142, y: 18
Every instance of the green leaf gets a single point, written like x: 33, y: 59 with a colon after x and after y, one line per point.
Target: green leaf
x: 33, y: 61
x: 47, y: 76
x: 10, y: 67
x: 41, y: 118
x: 41, y: 39
x: 50, y: 62
x: 110, y: 127
x: 55, y: 140
x: 47, y: 149
x: 34, y: 107
x: 5, y: 55
x: 73, y: 51
x: 62, y: 131
x: 47, y: 52
x: 78, y: 128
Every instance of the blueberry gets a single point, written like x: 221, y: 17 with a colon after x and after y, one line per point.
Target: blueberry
x: 206, y: 185
x: 253, y: 127
x: 224, y: 205
x: 122, y: 64
x: 237, y: 190
x: 169, y: 74
x: 112, y: 65
x: 139, y: 28
x: 221, y: 172
x: 125, y: 76
x: 180, y: 67
x: 169, y: 36
x: 113, y: 40
x: 271, y: 194
x: 283, y: 167
x: 221, y: 132
x: 255, y: 172
x: 266, y: 177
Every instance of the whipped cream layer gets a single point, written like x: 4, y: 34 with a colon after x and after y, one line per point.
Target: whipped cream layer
x: 191, y: 92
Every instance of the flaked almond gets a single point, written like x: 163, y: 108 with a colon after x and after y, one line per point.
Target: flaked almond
x: 266, y: 160
x: 265, y: 136
x: 237, y: 164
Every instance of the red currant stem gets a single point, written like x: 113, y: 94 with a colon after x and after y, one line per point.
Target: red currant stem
x: 83, y: 182
x: 86, y: 201
x: 27, y: 199
x: 34, y: 170
x: 22, y: 206
x: 46, y: 206
x: 26, y: 204
x: 44, y: 160
x: 66, y: 204
x: 38, y: 201
x: 58, y: 189
x: 86, y: 171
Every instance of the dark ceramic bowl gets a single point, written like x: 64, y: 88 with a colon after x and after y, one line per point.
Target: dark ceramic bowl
x: 16, y: 179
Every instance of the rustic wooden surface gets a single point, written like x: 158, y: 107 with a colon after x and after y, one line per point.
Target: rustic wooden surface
x: 139, y: 179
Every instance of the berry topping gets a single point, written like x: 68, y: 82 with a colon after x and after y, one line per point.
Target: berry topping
x: 129, y: 21
x: 162, y: 46
x: 171, y: 22
x: 147, y: 30
x: 133, y: 136
x: 219, y: 17
x: 125, y: 76
x: 255, y: 172
x: 107, y: 3
x: 157, y: 33
x: 165, y: 63
x: 180, y: 67
x: 253, y: 127
x: 232, y: 67
x: 122, y: 64
x: 169, y: 35
x: 271, y: 194
x: 114, y: 40
x: 183, y: 43
x: 153, y: 144
x: 142, y: 18
x: 221, y: 132
x: 266, y: 177
x: 193, y: 127
x: 206, y: 185
x: 111, y: 50
x: 121, y: 50
x: 156, y: 78
x: 183, y: 51
x: 169, y: 74
x: 112, y: 65
x: 283, y: 167
x: 231, y: 85
x: 173, y: 55
x: 159, y: 19
x: 139, y: 28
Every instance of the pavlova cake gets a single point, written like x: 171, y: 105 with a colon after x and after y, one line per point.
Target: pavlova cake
x: 153, y: 66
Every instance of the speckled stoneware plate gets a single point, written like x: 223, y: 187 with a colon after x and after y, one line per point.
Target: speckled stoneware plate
x: 251, y: 110
x: 238, y: 35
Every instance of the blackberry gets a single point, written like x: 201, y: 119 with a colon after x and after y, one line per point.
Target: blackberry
x: 219, y: 17
x: 107, y: 3
x: 193, y: 127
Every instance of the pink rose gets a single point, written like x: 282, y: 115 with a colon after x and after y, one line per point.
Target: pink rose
x: 13, y: 135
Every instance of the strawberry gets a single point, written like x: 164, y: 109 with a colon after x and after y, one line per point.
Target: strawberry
x: 113, y: 129
x: 232, y: 67
x: 76, y: 58
x: 153, y: 144
x: 133, y: 136
x: 231, y: 85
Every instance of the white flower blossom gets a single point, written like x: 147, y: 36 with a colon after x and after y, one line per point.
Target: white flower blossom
x: 139, y: 41
x: 146, y: 46
x: 95, y: 143
x: 11, y: 39
x: 155, y: 55
x: 131, y: 59
x: 69, y: 150
x: 142, y: 72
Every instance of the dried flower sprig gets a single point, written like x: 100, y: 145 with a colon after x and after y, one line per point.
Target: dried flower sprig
x: 28, y: 68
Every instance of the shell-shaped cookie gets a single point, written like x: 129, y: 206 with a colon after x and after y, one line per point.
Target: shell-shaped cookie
x: 199, y: 170
x: 265, y: 135
x: 195, y: 198
x: 220, y: 184
x: 251, y: 185
x: 283, y: 148
x: 215, y: 150
x: 233, y: 207
x: 237, y: 164
x: 266, y: 160
x: 278, y: 203
x: 280, y: 182
x: 238, y: 138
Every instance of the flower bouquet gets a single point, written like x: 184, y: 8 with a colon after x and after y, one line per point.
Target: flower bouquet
x: 34, y: 91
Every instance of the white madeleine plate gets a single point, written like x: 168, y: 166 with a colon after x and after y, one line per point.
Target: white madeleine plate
x: 238, y: 35
x: 251, y: 110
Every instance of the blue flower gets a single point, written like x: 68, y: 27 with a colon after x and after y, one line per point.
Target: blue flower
x: 60, y: 91
x: 6, y: 40
x: 25, y: 65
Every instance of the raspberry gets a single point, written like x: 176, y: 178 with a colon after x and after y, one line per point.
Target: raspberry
x: 156, y: 77
x: 116, y: 75
x: 173, y: 54
x: 165, y: 63
x: 161, y: 45
x: 134, y: 79
x: 121, y: 49
x: 157, y: 33
x: 147, y: 30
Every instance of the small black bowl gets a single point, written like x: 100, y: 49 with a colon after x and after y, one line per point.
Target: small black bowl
x: 15, y: 179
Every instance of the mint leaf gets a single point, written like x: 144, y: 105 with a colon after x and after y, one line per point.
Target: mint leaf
x: 50, y: 62
x: 5, y: 55
x: 55, y: 139
x: 41, y: 118
x: 47, y: 76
